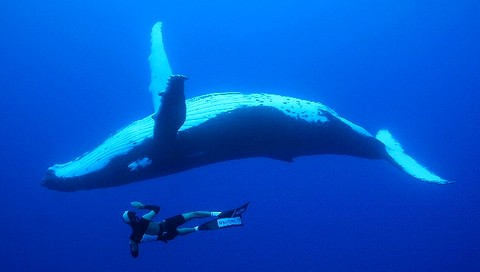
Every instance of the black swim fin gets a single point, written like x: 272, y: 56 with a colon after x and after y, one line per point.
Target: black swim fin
x: 231, y: 218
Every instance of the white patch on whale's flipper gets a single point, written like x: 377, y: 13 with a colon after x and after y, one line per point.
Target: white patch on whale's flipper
x: 159, y: 66
x: 405, y: 162
x: 139, y: 164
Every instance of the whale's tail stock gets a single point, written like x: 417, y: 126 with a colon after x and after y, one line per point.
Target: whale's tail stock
x: 405, y: 162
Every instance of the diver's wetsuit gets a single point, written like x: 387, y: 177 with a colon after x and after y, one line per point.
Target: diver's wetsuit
x: 167, y: 229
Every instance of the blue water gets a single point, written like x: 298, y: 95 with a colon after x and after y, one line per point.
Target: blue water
x: 73, y: 72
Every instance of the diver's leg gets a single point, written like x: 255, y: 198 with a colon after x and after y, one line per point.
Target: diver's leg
x: 198, y: 214
x: 191, y: 215
x: 185, y: 231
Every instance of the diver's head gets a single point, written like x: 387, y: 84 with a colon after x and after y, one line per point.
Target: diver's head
x: 128, y: 217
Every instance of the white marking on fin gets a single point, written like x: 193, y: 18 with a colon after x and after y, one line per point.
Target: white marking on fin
x: 139, y: 164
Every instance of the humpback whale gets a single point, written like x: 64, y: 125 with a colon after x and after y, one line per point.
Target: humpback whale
x: 183, y: 134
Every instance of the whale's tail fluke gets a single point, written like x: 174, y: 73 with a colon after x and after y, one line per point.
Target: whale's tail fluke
x: 405, y: 162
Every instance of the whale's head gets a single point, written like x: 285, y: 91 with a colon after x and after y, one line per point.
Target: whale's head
x: 54, y: 182
x: 117, y: 158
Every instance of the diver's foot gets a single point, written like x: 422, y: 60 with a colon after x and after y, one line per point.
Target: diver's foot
x: 215, y: 213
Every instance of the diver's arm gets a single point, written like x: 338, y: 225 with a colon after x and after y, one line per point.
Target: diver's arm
x: 134, y: 249
x: 154, y: 209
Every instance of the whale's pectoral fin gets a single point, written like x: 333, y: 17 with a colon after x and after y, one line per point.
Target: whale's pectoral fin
x: 171, y: 113
x: 168, y: 95
x: 405, y: 162
x: 159, y: 67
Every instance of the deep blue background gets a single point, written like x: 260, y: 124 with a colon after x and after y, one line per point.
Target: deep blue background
x: 73, y: 72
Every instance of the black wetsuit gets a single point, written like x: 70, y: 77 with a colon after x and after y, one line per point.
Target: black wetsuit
x: 167, y: 228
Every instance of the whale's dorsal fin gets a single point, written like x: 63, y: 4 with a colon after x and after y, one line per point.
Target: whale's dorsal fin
x: 171, y: 113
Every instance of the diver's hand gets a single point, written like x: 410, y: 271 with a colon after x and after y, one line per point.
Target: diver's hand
x: 137, y: 205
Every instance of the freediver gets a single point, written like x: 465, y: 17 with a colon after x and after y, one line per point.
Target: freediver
x: 146, y: 230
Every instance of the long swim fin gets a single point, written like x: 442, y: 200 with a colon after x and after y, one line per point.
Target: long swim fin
x: 231, y: 218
